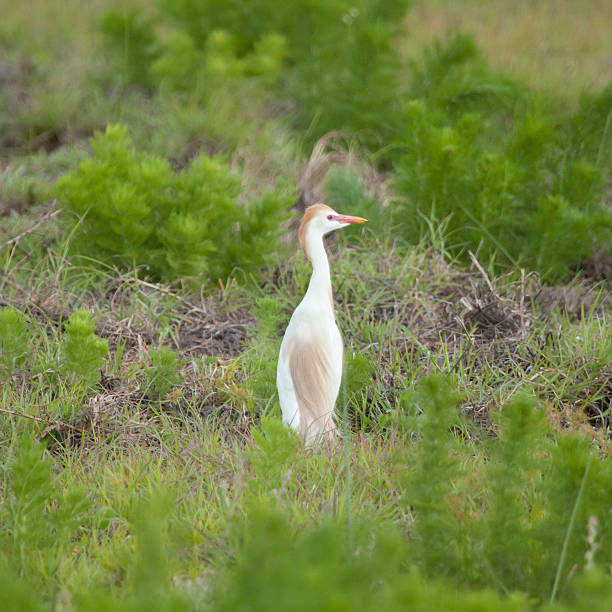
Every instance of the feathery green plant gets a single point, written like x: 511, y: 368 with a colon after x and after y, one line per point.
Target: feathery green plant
x: 17, y: 594
x: 472, y: 148
x: 329, y: 57
x: 136, y: 210
x: 163, y: 373
x: 82, y: 352
x: 259, y: 360
x: 14, y: 339
x: 281, y: 568
x: 577, y: 487
x: 516, y: 456
x: 429, y: 483
x: 526, y: 196
x: 272, y: 457
x: 345, y: 191
x: 132, y: 40
x: 40, y: 517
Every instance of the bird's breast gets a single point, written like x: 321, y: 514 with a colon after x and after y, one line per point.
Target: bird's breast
x: 316, y: 326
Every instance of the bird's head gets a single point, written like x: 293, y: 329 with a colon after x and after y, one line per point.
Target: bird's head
x: 320, y: 219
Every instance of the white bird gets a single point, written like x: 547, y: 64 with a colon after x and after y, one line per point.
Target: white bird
x: 310, y: 361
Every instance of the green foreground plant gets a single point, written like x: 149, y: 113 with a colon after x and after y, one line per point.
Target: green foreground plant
x: 515, y: 512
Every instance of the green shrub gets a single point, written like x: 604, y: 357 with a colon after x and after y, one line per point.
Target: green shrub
x: 512, y: 555
x: 524, y: 199
x: 281, y: 568
x: 429, y: 484
x: 191, y: 59
x: 77, y: 352
x: 590, y: 129
x: 18, y: 595
x: 521, y: 517
x: 345, y: 192
x: 184, y: 67
x: 180, y: 64
x: 82, y: 352
x: 40, y: 517
x: 258, y: 363
x: 455, y: 79
x: 335, y: 59
x: 346, y: 73
x: 563, y: 235
x: 276, y: 448
x: 576, y: 488
x: 137, y: 211
x: 474, y: 150
x: 163, y: 373
x: 14, y: 339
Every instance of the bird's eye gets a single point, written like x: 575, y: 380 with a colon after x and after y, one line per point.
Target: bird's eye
x: 330, y: 217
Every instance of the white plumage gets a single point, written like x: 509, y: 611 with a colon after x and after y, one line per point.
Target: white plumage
x: 310, y: 361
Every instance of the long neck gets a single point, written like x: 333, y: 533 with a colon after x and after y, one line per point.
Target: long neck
x: 319, y: 289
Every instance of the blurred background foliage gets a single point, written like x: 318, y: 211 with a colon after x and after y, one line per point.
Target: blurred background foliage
x: 517, y: 175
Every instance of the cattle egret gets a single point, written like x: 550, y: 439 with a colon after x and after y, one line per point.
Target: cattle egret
x: 310, y: 360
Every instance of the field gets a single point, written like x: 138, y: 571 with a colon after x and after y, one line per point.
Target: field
x: 155, y: 161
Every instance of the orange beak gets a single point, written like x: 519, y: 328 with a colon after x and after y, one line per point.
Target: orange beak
x: 349, y: 219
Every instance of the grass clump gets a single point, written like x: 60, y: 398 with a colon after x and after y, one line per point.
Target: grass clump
x: 137, y: 211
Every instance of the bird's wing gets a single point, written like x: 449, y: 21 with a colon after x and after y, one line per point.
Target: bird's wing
x: 286, y: 393
x: 312, y: 375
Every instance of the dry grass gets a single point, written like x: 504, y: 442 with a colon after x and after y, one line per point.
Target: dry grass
x: 558, y: 45
x: 336, y: 149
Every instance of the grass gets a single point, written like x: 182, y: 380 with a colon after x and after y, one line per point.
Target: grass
x: 473, y: 468
x: 199, y: 457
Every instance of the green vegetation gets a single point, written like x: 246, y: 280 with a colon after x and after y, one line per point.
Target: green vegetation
x: 79, y: 358
x: 163, y: 371
x: 134, y: 207
x: 154, y: 160
x: 82, y: 352
x: 532, y: 194
x: 14, y: 345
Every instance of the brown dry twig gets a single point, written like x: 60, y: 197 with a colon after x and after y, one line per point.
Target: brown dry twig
x: 41, y: 220
x: 25, y: 415
x: 483, y: 273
